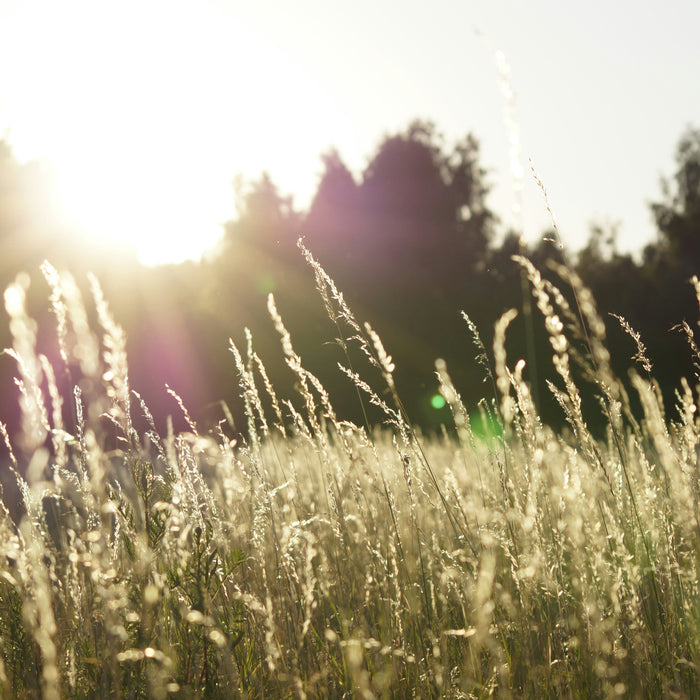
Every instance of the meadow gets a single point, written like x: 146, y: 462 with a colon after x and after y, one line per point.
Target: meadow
x: 310, y: 557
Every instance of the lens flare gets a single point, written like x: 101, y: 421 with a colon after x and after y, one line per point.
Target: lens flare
x: 437, y: 401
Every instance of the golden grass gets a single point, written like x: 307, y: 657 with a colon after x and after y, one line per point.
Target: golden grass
x: 313, y: 557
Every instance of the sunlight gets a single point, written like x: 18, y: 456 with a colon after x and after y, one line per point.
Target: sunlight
x: 146, y: 119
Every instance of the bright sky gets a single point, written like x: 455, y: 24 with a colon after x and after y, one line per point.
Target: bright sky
x: 147, y: 109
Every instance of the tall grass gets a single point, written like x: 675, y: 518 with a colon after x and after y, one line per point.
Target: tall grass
x: 312, y: 557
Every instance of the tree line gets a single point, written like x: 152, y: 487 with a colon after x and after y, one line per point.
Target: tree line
x: 411, y: 243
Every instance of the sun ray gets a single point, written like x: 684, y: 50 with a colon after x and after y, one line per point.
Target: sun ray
x: 147, y: 111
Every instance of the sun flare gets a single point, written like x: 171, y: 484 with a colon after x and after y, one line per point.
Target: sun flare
x: 147, y: 111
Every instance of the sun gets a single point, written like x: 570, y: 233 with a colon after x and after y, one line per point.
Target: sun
x: 146, y: 111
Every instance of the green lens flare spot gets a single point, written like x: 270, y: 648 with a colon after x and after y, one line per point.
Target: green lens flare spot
x: 437, y: 402
x: 485, y: 427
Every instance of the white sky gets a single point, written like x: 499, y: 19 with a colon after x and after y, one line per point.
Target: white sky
x: 148, y: 109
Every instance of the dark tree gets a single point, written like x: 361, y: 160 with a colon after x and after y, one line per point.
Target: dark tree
x: 336, y: 196
x: 418, y: 216
x: 265, y: 217
x: 425, y: 205
x: 408, y: 245
x: 654, y: 296
x: 334, y: 217
x: 678, y: 215
x: 473, y: 220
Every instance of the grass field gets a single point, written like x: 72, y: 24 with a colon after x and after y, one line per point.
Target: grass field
x: 318, y: 558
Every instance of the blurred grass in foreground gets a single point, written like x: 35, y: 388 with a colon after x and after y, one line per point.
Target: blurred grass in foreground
x: 312, y: 557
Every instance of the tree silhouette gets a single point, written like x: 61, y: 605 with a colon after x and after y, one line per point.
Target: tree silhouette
x: 654, y: 296
x: 334, y: 215
x: 417, y: 209
x: 408, y: 245
x: 678, y: 215
x: 265, y: 217
x: 336, y: 197
x: 410, y: 242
